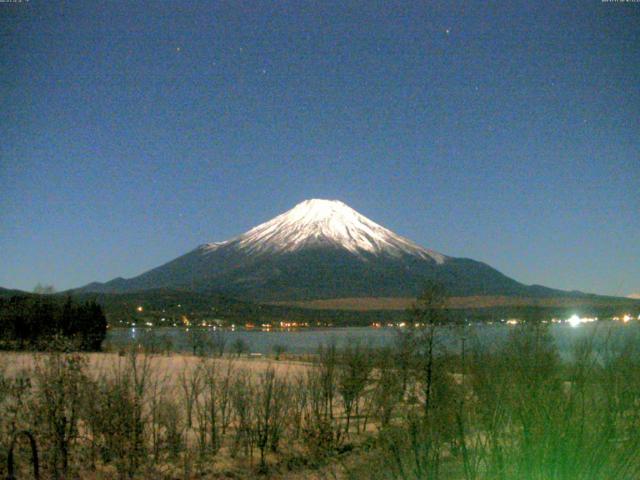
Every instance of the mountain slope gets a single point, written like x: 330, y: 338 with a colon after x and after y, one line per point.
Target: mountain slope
x: 320, y: 249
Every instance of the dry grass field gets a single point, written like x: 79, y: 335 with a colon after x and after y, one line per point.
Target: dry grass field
x: 392, y: 303
x: 515, y: 412
x: 167, y: 366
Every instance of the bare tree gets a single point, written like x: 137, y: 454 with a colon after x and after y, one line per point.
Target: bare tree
x: 271, y: 396
x: 354, y: 369
x: 199, y: 341
x: 426, y: 315
x: 191, y: 383
x: 218, y: 342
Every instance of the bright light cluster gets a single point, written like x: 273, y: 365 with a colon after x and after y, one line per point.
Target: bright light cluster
x: 574, y: 320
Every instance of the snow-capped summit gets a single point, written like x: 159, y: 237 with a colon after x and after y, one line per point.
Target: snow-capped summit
x: 326, y: 222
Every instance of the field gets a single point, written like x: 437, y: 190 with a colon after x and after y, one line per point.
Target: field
x: 470, y: 302
x: 167, y: 366
x: 514, y: 412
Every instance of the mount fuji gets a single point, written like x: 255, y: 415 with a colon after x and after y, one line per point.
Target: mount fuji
x: 320, y: 249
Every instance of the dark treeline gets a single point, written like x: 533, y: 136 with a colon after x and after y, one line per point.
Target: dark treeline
x: 38, y: 322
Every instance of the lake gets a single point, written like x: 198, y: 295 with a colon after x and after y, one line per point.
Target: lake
x: 308, y: 340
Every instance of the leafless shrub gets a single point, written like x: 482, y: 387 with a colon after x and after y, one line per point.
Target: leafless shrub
x: 60, y: 381
x: 271, y: 395
x: 116, y: 417
x: 170, y: 420
x: 388, y: 389
x: 213, y: 405
x: 242, y: 398
x: 191, y: 385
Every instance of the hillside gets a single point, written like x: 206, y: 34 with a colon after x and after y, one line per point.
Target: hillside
x: 319, y: 250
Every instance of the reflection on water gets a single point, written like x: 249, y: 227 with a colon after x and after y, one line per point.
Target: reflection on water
x: 308, y: 340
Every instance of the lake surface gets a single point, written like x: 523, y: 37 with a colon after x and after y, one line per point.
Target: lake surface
x: 308, y: 340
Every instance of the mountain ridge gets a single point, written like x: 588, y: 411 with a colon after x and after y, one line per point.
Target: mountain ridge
x: 321, y: 249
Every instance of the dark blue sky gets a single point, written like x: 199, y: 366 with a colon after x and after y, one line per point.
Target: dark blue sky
x: 506, y: 132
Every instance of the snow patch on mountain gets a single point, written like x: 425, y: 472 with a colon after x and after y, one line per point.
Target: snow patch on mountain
x: 213, y: 246
x: 325, y: 222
